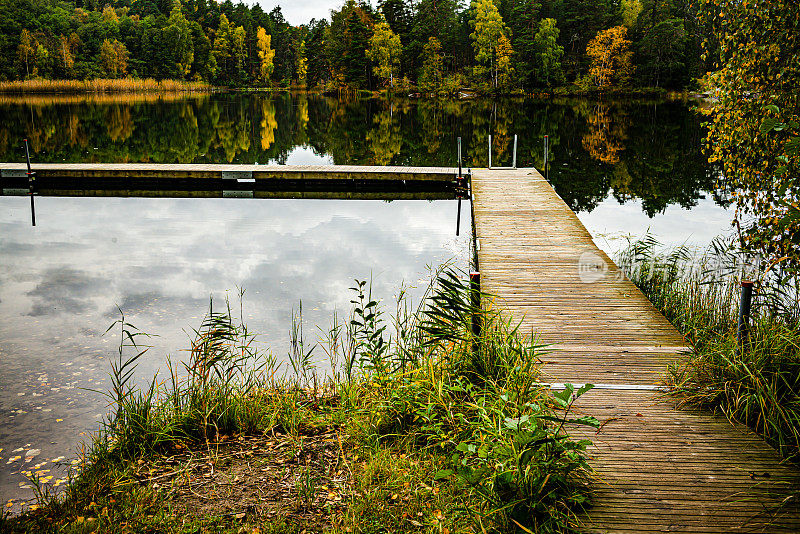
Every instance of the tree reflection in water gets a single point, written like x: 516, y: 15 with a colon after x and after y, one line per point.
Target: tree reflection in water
x: 630, y: 149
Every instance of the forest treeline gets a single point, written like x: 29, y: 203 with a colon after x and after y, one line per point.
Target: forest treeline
x: 436, y: 45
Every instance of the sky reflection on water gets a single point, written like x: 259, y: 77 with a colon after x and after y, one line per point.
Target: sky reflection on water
x: 160, y: 260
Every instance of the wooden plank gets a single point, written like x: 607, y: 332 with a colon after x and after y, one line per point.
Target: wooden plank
x: 659, y: 468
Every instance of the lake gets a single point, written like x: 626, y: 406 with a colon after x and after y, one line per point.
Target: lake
x: 623, y: 166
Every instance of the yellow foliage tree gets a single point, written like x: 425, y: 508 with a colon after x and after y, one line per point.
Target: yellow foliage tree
x: 504, y: 69
x: 629, y: 10
x: 266, y: 55
x: 26, y: 51
x: 490, y: 42
x: 611, y: 57
x: 114, y: 58
x: 302, y: 63
x: 384, y: 50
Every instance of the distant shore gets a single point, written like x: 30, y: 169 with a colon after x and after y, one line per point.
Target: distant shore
x: 149, y: 85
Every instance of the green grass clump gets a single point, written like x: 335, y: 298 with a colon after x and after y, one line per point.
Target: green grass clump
x: 440, y: 421
x: 756, y: 383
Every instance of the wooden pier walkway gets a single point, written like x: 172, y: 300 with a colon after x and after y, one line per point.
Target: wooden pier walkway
x: 660, y: 469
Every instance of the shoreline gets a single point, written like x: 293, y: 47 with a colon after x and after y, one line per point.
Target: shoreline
x: 102, y: 86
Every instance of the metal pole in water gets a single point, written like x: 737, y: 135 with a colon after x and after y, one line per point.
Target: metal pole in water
x: 743, y: 328
x: 514, y: 163
x: 31, y: 177
x: 490, y: 151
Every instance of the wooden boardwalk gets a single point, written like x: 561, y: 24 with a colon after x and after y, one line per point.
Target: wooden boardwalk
x: 660, y: 469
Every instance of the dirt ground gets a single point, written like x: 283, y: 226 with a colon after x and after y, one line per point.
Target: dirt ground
x: 302, y: 479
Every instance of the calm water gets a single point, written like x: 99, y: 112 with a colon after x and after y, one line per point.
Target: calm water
x: 623, y: 166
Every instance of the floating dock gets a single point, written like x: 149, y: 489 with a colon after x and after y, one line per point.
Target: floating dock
x: 245, y: 181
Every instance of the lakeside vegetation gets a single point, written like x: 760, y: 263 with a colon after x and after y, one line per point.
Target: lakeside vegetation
x: 103, y: 85
x: 757, y: 382
x: 439, y: 427
x: 434, y: 46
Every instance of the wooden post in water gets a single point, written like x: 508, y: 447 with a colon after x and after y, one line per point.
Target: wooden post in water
x: 475, y: 305
x: 743, y: 328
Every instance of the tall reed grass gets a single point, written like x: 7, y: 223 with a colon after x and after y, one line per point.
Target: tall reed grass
x: 420, y: 382
x: 100, y: 85
x: 756, y: 383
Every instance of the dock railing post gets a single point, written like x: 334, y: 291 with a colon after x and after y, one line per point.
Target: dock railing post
x: 514, y: 162
x: 490, y: 151
x: 743, y: 328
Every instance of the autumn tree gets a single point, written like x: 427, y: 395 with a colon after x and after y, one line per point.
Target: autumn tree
x: 266, y: 55
x: 114, y: 58
x: 629, y: 12
x: 26, y: 51
x: 384, y: 50
x: 503, y: 53
x: 490, y: 42
x: 302, y: 63
x: 67, y: 46
x: 754, y: 129
x: 430, y: 76
x: 611, y: 57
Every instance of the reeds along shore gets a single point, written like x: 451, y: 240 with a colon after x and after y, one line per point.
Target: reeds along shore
x: 122, y: 85
x: 435, y: 427
x: 756, y: 382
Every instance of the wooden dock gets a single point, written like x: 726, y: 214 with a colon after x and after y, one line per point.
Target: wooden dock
x: 660, y: 469
x: 225, y: 172
x: 241, y: 181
